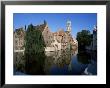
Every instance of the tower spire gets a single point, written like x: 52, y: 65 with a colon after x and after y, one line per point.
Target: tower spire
x: 68, y: 26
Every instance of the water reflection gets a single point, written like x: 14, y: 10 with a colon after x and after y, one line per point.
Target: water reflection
x: 84, y: 57
x: 68, y: 63
x: 61, y: 63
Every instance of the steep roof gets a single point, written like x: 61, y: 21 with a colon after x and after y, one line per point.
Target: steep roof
x: 40, y: 27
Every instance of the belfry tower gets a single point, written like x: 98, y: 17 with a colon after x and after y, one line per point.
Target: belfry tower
x: 68, y: 26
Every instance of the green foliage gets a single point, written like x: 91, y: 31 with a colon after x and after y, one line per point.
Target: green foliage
x: 84, y: 38
x: 34, y: 41
x: 34, y: 50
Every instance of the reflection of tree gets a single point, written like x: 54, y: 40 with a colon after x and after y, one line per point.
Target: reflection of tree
x: 49, y: 61
x: 64, y: 59
x: 94, y: 55
x: 84, y: 57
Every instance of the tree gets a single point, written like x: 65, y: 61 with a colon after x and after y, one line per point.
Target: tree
x: 84, y: 39
x: 34, y: 50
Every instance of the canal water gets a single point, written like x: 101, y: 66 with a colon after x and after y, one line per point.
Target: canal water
x: 68, y: 63
x: 71, y: 63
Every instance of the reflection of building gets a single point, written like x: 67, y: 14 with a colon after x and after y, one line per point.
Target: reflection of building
x: 59, y: 59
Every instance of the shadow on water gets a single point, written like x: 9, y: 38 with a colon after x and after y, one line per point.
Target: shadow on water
x: 30, y: 65
x: 88, y: 58
x: 84, y: 57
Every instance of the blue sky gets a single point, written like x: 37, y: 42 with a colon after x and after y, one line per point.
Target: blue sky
x: 57, y: 20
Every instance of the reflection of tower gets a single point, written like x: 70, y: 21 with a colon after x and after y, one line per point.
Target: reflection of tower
x: 68, y: 26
